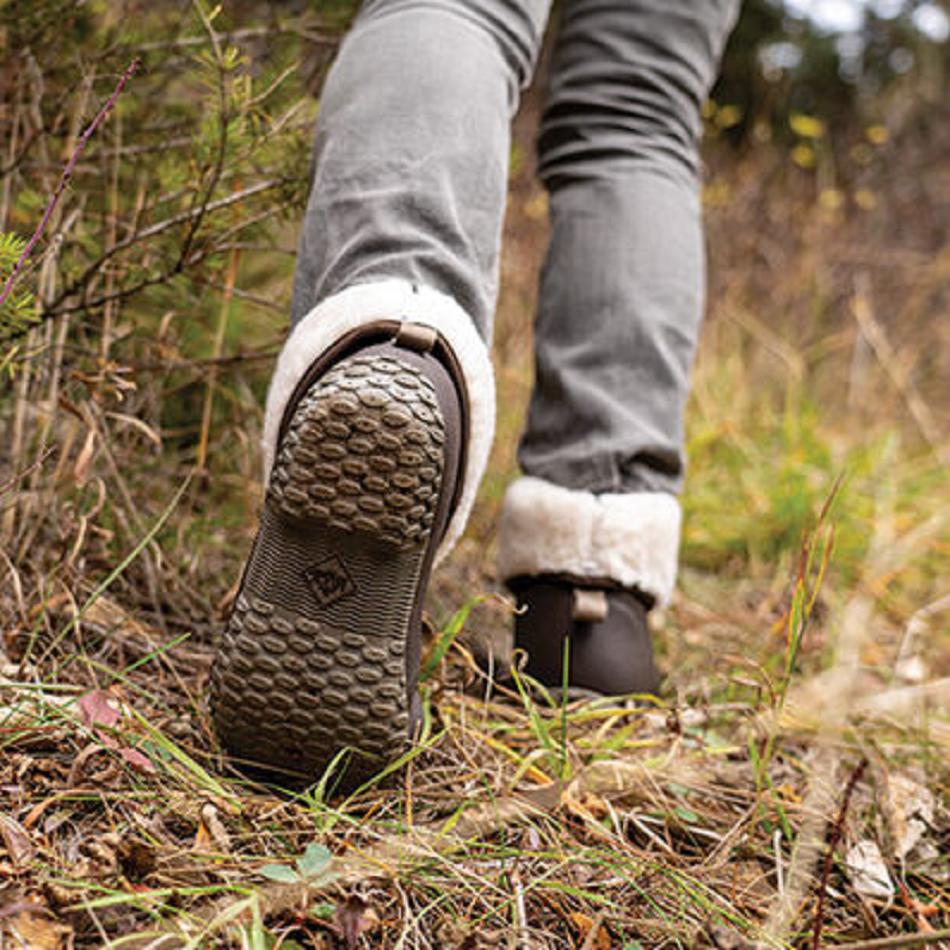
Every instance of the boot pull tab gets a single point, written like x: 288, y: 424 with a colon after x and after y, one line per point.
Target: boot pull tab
x: 416, y: 336
x: 590, y: 606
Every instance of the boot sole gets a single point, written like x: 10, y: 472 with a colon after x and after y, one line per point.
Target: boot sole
x: 313, y: 660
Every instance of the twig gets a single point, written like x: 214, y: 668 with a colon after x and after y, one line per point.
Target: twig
x: 212, y: 376
x: 25, y: 473
x: 520, y: 915
x: 54, y: 308
x: 224, y: 119
x: 302, y: 30
x: 67, y: 173
x: 836, y: 832
x: 779, y: 870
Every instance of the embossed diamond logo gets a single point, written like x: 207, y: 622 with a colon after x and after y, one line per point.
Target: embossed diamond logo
x: 329, y: 581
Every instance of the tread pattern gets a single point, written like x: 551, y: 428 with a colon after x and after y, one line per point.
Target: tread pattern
x: 358, y: 471
x: 362, y: 452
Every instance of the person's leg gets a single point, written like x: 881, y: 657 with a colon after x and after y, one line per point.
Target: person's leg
x: 621, y: 294
x: 408, y: 192
x: 412, y: 150
x: 381, y: 407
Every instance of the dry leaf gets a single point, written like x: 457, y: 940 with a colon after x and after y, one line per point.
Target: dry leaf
x: 909, y: 809
x: 136, y: 858
x: 211, y: 829
x: 98, y: 708
x: 584, y: 925
x: 16, y: 840
x: 84, y: 459
x: 37, y: 932
x: 137, y: 759
x: 867, y: 870
x: 354, y: 917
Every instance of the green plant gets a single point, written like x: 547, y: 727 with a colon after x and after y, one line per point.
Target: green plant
x: 311, y: 866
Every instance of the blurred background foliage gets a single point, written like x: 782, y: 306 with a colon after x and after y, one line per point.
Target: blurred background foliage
x: 791, y: 70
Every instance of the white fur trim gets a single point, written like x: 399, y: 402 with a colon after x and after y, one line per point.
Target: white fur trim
x: 393, y: 299
x: 630, y: 538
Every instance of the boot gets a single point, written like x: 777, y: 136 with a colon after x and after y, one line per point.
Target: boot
x: 609, y: 647
x: 320, y: 655
x: 586, y: 568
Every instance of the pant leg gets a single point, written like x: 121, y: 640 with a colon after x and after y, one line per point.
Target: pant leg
x: 409, y: 180
x: 621, y: 295
x: 412, y: 149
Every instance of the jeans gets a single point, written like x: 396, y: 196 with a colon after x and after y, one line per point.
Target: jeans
x: 410, y: 177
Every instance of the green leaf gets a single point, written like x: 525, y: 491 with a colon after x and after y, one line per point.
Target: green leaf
x: 314, y: 860
x: 323, y: 911
x: 448, y: 637
x: 280, y: 873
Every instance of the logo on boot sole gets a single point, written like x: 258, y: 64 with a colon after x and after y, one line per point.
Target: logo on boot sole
x: 329, y: 581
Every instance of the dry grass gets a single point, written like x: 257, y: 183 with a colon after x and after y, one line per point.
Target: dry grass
x: 807, y: 652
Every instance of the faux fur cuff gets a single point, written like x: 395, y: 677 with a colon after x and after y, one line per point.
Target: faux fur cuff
x: 393, y: 299
x: 629, y: 538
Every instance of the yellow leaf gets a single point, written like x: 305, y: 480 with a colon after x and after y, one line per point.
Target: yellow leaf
x: 803, y: 156
x: 807, y: 126
x: 717, y: 194
x: 876, y: 134
x: 728, y: 116
x: 864, y: 198
x: 831, y: 199
x: 585, y: 924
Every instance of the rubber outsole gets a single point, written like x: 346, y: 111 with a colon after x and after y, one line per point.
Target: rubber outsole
x: 313, y: 659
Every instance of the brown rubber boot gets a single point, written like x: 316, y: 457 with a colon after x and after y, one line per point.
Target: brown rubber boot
x: 320, y: 655
x: 610, y: 648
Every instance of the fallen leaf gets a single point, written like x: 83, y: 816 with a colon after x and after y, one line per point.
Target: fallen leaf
x: 354, y: 917
x: 137, y: 759
x: 867, y: 870
x: 98, y: 708
x: 136, y: 858
x: 16, y: 839
x: 211, y: 829
x: 909, y: 809
x: 38, y: 932
x: 584, y: 925
x: 84, y: 459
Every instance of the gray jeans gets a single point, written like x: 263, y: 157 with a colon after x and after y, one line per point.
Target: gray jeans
x: 410, y: 177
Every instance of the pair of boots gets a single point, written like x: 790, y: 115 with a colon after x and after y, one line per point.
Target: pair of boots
x: 376, y: 435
